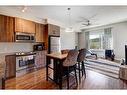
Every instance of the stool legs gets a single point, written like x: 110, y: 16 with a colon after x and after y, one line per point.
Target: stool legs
x: 83, y: 67
x: 76, y: 75
x: 68, y: 78
x: 68, y: 70
x: 79, y: 72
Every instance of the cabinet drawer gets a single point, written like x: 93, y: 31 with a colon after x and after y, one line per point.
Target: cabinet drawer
x: 40, y: 59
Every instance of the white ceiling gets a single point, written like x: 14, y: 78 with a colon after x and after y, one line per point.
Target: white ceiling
x: 103, y: 14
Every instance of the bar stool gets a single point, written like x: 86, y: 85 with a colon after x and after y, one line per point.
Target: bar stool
x: 80, y: 60
x: 69, y: 65
x: 65, y: 51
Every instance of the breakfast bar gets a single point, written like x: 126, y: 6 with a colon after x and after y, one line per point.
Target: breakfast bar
x: 58, y: 59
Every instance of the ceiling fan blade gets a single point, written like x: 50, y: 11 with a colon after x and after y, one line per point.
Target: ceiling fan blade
x: 83, y: 18
x: 93, y: 16
x: 79, y: 21
x: 86, y: 24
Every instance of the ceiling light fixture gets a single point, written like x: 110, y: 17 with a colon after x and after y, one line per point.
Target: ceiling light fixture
x: 69, y: 29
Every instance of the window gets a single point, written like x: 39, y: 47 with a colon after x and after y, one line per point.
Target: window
x: 99, y: 39
x: 95, y: 41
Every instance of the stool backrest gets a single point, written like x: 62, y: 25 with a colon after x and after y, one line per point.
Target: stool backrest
x: 81, y: 55
x: 65, y: 51
x: 71, y: 59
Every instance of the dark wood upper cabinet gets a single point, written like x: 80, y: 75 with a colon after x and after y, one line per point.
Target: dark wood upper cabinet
x: 53, y: 30
x: 39, y: 32
x: 50, y: 30
x: 6, y: 28
x: 26, y: 26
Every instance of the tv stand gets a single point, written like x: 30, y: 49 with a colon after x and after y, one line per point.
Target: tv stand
x: 123, y: 72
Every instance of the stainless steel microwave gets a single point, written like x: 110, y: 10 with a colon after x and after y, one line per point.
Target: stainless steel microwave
x: 24, y: 37
x: 39, y: 47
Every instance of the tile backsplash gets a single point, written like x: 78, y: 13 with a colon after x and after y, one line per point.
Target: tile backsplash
x: 15, y: 47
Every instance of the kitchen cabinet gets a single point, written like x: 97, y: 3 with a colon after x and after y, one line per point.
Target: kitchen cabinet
x: 10, y: 70
x: 6, y: 28
x: 40, y: 59
x: 39, y: 32
x: 2, y: 83
x: 53, y: 30
x: 26, y: 26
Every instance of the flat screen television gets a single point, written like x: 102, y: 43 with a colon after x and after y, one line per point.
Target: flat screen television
x: 126, y: 54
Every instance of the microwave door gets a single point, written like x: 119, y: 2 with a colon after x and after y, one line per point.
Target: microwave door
x: 24, y: 38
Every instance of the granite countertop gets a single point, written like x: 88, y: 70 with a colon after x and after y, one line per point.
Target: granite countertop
x: 2, y: 65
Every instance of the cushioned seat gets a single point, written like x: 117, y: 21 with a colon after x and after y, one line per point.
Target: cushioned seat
x: 69, y: 65
x: 80, y: 60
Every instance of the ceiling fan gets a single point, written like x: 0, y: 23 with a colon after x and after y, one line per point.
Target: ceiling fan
x: 86, y: 21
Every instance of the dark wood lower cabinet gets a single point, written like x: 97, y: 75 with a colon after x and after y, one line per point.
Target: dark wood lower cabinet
x: 10, y: 70
x: 40, y: 59
x: 2, y: 83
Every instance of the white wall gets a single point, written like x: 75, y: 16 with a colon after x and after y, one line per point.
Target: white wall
x: 119, y: 39
x: 119, y: 32
x: 68, y: 39
x: 15, y: 47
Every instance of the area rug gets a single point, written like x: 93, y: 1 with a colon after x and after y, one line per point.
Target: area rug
x: 103, y: 66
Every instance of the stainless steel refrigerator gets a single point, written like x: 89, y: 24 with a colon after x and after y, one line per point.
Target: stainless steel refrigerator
x: 54, y: 44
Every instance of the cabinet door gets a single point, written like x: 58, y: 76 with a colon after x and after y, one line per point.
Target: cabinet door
x: 6, y: 29
x: 10, y: 66
x: 26, y: 26
x: 53, y: 30
x: 56, y: 30
x: 18, y: 25
x: 40, y: 59
x: 39, y: 32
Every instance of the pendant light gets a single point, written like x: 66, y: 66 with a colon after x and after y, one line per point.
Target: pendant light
x: 69, y: 28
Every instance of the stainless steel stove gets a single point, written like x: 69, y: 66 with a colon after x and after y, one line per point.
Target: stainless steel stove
x: 25, y: 60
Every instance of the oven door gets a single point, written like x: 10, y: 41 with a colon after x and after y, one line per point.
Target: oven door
x: 21, y: 63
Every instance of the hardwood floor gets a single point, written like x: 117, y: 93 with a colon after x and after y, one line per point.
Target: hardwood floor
x: 37, y: 80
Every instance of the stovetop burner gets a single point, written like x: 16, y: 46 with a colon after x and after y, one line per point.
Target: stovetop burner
x: 25, y: 53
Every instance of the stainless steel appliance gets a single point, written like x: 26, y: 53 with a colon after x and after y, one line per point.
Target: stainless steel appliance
x: 54, y: 44
x: 24, y: 37
x: 25, y: 60
x: 39, y: 47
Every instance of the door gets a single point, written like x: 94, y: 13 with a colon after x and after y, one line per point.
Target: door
x: 10, y: 66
